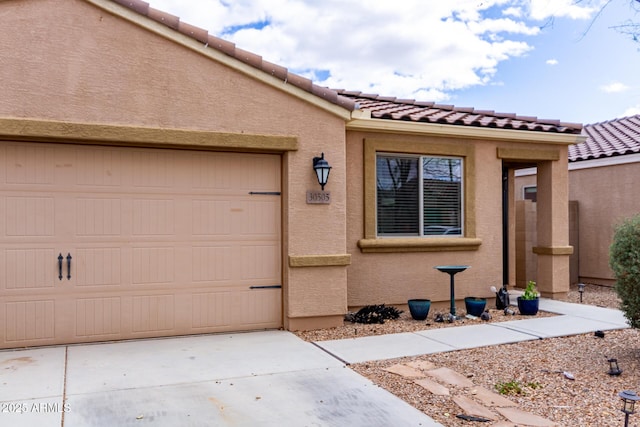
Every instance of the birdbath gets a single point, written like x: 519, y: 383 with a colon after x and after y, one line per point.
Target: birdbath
x: 452, y: 270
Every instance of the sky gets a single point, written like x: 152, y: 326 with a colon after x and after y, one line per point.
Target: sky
x: 553, y: 59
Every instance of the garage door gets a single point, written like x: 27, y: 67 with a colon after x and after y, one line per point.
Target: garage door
x: 106, y: 243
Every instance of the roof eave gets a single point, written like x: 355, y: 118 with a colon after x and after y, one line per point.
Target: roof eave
x: 360, y: 122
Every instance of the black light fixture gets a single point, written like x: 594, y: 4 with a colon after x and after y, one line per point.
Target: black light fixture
x: 629, y: 399
x: 322, y: 168
x: 581, y: 290
x: 614, y: 369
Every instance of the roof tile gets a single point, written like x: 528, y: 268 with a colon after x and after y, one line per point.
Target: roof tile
x: 388, y: 108
x: 194, y: 32
x: 606, y: 139
x: 167, y: 19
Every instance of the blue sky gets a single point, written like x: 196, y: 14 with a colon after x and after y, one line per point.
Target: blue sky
x: 547, y: 58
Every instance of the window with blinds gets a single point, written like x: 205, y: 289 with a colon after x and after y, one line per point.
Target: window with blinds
x: 418, y: 195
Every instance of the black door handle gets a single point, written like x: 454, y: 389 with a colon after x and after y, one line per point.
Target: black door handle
x: 68, y: 266
x: 60, y: 266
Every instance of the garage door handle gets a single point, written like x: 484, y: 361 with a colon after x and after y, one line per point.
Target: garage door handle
x: 68, y: 266
x: 266, y: 287
x: 60, y: 266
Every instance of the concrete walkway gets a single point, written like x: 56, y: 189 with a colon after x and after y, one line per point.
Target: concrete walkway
x: 269, y: 378
x: 572, y: 319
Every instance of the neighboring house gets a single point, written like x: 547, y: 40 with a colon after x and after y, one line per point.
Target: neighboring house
x: 603, y: 175
x: 159, y: 181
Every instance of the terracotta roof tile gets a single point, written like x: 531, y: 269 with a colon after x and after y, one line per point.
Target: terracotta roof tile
x: 393, y: 109
x: 167, y: 19
x: 606, y: 139
x: 388, y: 108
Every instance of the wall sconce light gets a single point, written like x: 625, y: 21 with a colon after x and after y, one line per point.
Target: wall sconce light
x: 614, y: 369
x: 322, y: 168
x: 581, y: 290
x: 629, y: 399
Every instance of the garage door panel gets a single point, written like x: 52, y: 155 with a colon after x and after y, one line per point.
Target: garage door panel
x: 210, y: 217
x: 154, y: 169
x: 32, y: 268
x: 99, y: 166
x: 240, y: 310
x: 161, y: 242
x: 98, y: 317
x: 228, y: 171
x: 29, y: 216
x: 29, y: 164
x: 153, y: 265
x: 258, y: 262
x: 97, y: 266
x: 258, y: 307
x: 212, y: 263
x: 154, y: 217
x: 31, y: 320
x: 255, y: 217
x: 98, y: 216
x: 153, y: 313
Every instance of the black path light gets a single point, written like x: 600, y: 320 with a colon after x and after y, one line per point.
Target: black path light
x: 614, y: 369
x: 629, y: 399
x: 581, y: 290
x: 322, y: 168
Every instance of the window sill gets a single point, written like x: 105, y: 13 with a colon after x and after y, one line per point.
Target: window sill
x: 421, y: 244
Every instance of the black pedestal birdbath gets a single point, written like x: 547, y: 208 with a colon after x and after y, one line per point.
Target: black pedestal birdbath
x: 452, y: 270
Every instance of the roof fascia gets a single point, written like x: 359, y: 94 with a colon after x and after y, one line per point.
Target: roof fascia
x: 456, y: 131
x: 605, y: 161
x: 196, y: 46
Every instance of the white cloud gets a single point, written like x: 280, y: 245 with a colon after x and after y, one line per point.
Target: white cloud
x: 615, y: 87
x: 405, y: 48
x: 544, y: 9
x: 631, y: 111
x: 552, y: 62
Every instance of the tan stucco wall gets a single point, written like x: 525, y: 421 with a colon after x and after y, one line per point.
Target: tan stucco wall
x: 73, y: 62
x: 606, y: 195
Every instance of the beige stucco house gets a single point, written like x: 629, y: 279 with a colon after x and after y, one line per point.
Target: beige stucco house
x: 603, y: 174
x: 159, y: 181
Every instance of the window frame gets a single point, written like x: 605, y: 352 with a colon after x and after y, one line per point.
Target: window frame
x: 374, y: 243
x: 421, y: 197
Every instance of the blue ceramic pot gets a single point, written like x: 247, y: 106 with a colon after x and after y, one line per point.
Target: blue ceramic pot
x: 475, y: 306
x: 528, y: 307
x: 419, y: 308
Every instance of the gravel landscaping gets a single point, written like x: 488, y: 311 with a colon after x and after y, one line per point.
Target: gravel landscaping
x: 528, y: 373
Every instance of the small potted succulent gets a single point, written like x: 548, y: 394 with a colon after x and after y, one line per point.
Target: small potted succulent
x: 528, y: 302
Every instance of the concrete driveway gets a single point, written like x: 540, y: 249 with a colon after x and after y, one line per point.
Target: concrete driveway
x: 269, y: 378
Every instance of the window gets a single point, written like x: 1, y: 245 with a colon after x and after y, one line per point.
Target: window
x: 459, y: 161
x: 530, y: 192
x: 419, y: 195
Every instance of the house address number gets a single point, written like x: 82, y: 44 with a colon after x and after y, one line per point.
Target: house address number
x: 318, y: 197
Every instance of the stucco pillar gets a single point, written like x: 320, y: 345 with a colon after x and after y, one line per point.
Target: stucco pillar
x: 553, y: 248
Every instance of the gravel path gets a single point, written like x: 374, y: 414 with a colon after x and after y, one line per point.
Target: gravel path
x: 536, y: 367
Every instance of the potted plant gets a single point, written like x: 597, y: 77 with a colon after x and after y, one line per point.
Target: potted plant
x: 528, y: 302
x: 475, y: 306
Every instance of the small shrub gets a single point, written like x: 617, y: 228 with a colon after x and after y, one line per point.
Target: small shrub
x: 373, y: 314
x: 515, y: 387
x: 510, y: 387
x: 624, y: 260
